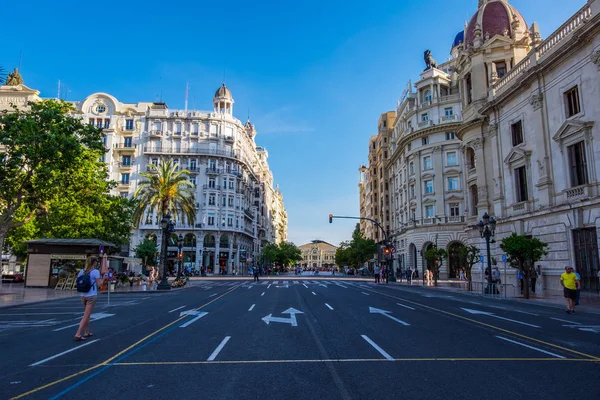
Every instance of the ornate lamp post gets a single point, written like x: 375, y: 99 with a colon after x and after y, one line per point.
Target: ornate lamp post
x: 487, y: 229
x: 167, y: 227
x: 179, y: 254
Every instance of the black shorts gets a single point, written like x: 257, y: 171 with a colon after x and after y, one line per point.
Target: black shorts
x: 570, y: 294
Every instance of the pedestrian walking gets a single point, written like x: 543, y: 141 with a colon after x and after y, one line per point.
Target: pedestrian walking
x: 386, y: 275
x: 409, y: 276
x: 399, y: 274
x: 376, y: 272
x: 461, y: 275
x: 88, y: 281
x: 255, y: 271
x: 533, y: 275
x: 570, y: 284
x: 520, y: 277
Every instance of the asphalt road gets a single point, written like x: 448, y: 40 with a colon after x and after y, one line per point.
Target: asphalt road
x: 296, y: 338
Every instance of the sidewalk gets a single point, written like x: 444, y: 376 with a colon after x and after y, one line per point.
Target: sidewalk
x: 14, y: 294
x: 588, y: 301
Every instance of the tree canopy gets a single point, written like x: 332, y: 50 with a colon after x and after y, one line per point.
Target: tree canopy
x: 283, y: 255
x: 434, y: 257
x: 146, y: 250
x: 357, y: 251
x: 468, y: 256
x: 522, y: 253
x: 52, y: 183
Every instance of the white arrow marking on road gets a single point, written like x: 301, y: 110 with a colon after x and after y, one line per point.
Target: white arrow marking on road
x: 305, y: 285
x: 565, y: 320
x: 93, y: 317
x: 175, y: 309
x: 314, y: 293
x: 291, y: 320
x: 269, y: 285
x: 374, y: 310
x: 262, y: 294
x: 284, y: 286
x: 198, y: 315
x: 251, y: 307
x: 477, y: 312
x: 328, y: 306
x: 402, y: 305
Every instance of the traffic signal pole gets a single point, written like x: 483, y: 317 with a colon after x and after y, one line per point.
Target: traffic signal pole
x: 385, y: 235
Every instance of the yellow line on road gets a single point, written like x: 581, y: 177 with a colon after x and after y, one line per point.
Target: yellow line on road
x: 350, y: 360
x: 594, y: 358
x: 109, y: 360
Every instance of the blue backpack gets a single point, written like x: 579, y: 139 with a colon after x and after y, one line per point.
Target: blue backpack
x: 84, y: 283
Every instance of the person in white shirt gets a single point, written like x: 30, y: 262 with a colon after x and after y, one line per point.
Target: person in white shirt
x: 89, y: 298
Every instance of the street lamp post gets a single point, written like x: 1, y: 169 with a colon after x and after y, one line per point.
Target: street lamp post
x: 487, y: 229
x: 167, y: 227
x: 179, y: 254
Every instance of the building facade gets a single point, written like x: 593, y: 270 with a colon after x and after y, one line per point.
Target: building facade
x: 239, y: 208
x: 317, y: 255
x: 507, y: 126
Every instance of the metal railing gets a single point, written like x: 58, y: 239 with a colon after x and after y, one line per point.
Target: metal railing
x: 493, y: 290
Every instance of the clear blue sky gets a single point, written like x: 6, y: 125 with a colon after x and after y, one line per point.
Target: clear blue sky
x: 315, y: 75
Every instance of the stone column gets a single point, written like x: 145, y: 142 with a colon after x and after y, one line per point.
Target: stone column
x: 438, y: 179
x: 216, y: 266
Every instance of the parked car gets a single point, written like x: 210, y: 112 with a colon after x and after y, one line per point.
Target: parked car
x: 13, y: 278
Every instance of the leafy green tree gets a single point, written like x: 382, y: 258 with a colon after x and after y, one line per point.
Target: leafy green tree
x: 41, y: 144
x: 146, y: 251
x: 288, y: 253
x: 357, y: 251
x: 522, y: 253
x: 166, y: 189
x: 269, y: 253
x: 468, y: 256
x: 434, y: 257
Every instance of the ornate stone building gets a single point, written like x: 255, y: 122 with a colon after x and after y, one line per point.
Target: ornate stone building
x: 239, y: 209
x: 317, y: 255
x: 520, y: 143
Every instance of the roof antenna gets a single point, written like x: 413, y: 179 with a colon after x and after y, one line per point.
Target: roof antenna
x: 20, y: 58
x: 248, y: 113
x: 187, y: 88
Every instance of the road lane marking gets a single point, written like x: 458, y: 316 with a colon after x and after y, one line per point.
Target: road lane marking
x: 386, y: 313
x: 295, y: 282
x: 352, y: 360
x: 121, y: 355
x: 251, y: 307
x: 262, y: 294
x: 402, y: 305
x: 63, y: 353
x: 328, y: 306
x: 212, y: 295
x: 379, y: 349
x: 489, y: 314
x: 93, y: 317
x: 565, y: 320
x: 589, y: 356
x: 269, y: 285
x: 314, y: 293
x: 178, y: 308
x: 305, y: 285
x: 530, y: 347
x: 366, y: 294
x: 218, y: 349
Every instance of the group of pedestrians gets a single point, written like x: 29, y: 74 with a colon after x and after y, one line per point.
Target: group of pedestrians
x: 382, y: 274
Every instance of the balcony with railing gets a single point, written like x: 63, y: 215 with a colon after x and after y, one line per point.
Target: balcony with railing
x: 155, y: 133
x: 450, y: 118
x: 424, y: 124
x: 212, y: 187
x: 125, y: 165
x: 213, y: 171
x: 190, y: 150
x: 248, y: 212
x: 578, y: 193
x: 125, y: 146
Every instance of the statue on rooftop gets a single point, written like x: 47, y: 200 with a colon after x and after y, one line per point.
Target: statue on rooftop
x: 14, y: 78
x: 429, y: 61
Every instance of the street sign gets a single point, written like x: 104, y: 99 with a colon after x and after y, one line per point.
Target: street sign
x: 481, y: 259
x: 503, y: 257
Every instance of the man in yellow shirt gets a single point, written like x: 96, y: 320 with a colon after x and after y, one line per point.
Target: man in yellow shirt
x: 570, y: 283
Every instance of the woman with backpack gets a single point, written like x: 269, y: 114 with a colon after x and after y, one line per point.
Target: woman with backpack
x: 87, y: 283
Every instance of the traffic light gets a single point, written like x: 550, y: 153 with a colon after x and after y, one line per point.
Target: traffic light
x: 180, y: 255
x: 330, y: 218
x: 387, y: 251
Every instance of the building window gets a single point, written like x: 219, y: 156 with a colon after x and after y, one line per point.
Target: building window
x: 429, y: 212
x: 471, y: 158
x: 572, y: 101
x: 517, y: 133
x: 474, y: 200
x: 100, y: 108
x: 193, y: 181
x: 99, y: 123
x: 211, y: 220
x: 211, y: 200
x: 450, y: 135
x: 448, y: 111
x: 155, y: 162
x: 500, y: 69
x: 427, y: 162
x: 425, y: 140
x: 157, y: 127
x: 454, y: 209
x: 124, y: 195
x: 577, y: 164
x: 126, y: 161
x: 469, y: 86
x: 428, y: 96
x: 224, y: 202
x: 229, y: 220
x: 521, y: 184
x: 193, y: 165
x: 106, y: 123
x: 211, y: 183
x: 194, y: 129
x: 231, y: 184
x: 451, y: 158
x: 128, y: 142
x: 409, y: 147
x: 412, y: 191
x: 453, y: 183
x: 125, y: 179
x: 128, y: 124
x: 425, y: 117
x: 230, y: 201
x: 429, y: 186
x: 411, y: 168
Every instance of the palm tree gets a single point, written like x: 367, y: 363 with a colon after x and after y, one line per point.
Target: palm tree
x: 165, y: 190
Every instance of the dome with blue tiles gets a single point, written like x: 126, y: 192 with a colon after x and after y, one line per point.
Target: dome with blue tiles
x: 460, y: 38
